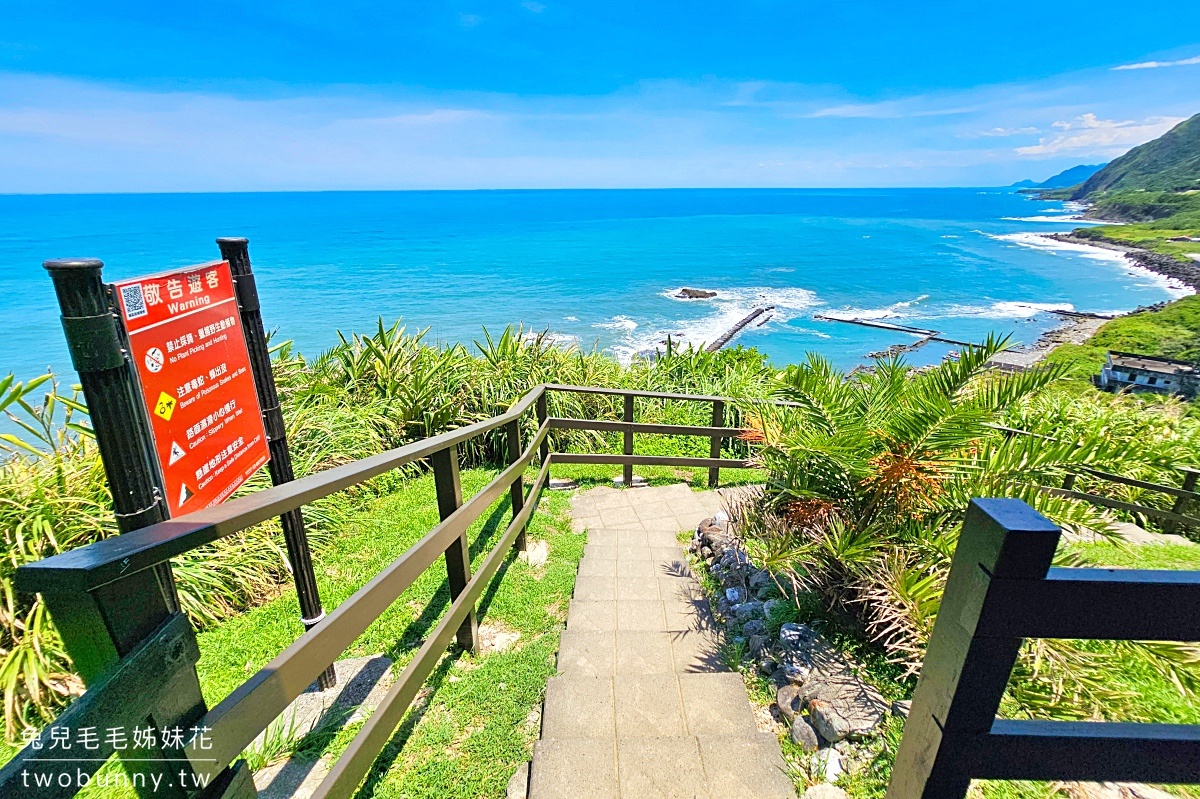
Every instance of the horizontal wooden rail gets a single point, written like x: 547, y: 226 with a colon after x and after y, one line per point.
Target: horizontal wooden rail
x: 1128, y: 507
x: 88, y: 567
x: 666, y: 395
x: 1130, y: 481
x: 1096, y: 603
x: 245, y: 713
x: 653, y: 460
x: 1092, y: 751
x: 636, y: 427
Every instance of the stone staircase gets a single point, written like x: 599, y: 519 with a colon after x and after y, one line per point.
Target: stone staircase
x: 642, y: 705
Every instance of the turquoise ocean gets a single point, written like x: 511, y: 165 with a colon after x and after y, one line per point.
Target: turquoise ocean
x: 596, y: 268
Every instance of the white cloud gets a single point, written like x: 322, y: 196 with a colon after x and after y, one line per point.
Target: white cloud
x: 1183, y: 62
x: 534, y: 6
x: 1088, y: 134
x: 1003, y: 132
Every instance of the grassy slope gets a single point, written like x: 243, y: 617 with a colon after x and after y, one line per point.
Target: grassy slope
x: 1152, y: 219
x: 1172, y: 332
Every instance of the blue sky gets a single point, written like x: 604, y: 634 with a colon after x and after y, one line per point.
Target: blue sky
x: 126, y: 96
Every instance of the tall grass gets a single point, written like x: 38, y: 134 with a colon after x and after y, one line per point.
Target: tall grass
x: 370, y: 392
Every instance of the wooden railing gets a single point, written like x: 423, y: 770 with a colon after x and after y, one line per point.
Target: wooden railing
x: 1001, y: 590
x: 135, y: 679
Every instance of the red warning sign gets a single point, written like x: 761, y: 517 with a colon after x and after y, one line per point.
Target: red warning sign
x: 185, y: 337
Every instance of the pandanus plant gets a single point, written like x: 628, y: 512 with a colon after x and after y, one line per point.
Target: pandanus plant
x: 870, y: 475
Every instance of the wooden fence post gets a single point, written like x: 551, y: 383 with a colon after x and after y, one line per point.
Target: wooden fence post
x: 966, y: 668
x: 714, y: 449
x: 237, y: 252
x: 517, y: 491
x: 1189, y: 484
x: 627, y: 471
x: 542, y: 415
x: 458, y: 554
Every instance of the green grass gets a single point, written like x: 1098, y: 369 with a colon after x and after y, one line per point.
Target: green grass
x: 1173, y: 332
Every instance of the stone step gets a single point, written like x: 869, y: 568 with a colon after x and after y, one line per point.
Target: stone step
x: 604, y: 653
x: 646, y: 706
x: 746, y: 766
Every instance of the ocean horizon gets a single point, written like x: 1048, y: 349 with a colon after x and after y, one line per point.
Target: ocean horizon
x: 595, y: 267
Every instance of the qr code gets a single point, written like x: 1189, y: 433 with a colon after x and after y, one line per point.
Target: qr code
x: 135, y: 303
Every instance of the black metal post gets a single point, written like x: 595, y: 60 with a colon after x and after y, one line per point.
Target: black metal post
x: 237, y: 252
x: 100, y: 627
x: 542, y: 415
x: 1189, y: 484
x: 458, y: 557
x: 714, y: 449
x: 627, y: 472
x: 967, y: 665
x: 517, y: 490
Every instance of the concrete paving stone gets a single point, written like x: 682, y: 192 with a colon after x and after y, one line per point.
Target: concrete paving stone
x: 637, y: 568
x: 600, y: 552
x: 671, y: 553
x: 593, y: 588
x: 585, y: 615
x: 641, y: 615
x: 664, y: 768
x: 696, y: 652
x: 643, y: 653
x: 653, y: 509
x: 716, y: 704
x: 592, y: 567
x: 605, y: 498
x: 619, y: 516
x: 673, y: 567
x: 578, y: 707
x: 587, y: 653
x: 668, y: 525
x: 630, y: 535
x: 684, y: 589
x: 602, y: 537
x: 633, y: 552
x: 691, y: 615
x: 745, y: 767
x: 582, y: 524
x: 573, y: 769
x: 637, y: 588
x: 648, y: 706
x: 661, y: 539
x: 690, y: 519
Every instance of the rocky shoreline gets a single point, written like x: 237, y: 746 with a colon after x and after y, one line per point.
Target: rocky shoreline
x: 1166, y: 265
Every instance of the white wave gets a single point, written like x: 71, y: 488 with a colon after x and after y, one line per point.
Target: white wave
x: 896, y: 310
x: 618, y: 323
x: 571, y: 318
x: 1008, y: 309
x: 718, y: 315
x: 1072, y: 218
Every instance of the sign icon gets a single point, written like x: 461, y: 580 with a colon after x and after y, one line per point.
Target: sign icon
x: 154, y: 359
x: 185, y: 493
x: 165, y: 406
x: 176, y: 454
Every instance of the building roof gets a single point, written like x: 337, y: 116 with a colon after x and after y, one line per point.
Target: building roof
x: 1150, y: 363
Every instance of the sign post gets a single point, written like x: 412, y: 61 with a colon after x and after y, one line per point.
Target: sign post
x: 185, y: 340
x: 237, y: 252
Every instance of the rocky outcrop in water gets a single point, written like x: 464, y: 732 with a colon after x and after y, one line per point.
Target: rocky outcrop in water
x: 695, y: 294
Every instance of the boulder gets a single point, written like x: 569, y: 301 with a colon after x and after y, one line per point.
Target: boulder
x: 694, y: 294
x: 826, y: 764
x: 827, y: 721
x: 760, y: 579
x: 756, y: 627
x: 843, y: 706
x: 756, y: 644
x: 770, y: 605
x: 795, y: 669
x: 787, y: 699
x: 748, y: 610
x: 803, y: 735
x: 735, y: 595
x: 767, y: 666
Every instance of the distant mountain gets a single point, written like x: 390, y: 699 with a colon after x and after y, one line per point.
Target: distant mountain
x: 1068, y: 177
x: 1169, y: 163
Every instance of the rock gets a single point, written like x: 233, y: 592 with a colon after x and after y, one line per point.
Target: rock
x: 518, y: 783
x: 767, y: 666
x: 706, y: 553
x: 795, y: 636
x: 779, y: 677
x: 536, y: 553
x: 803, y: 735
x: 695, y: 294
x: 770, y: 605
x: 756, y: 627
x: 748, y: 610
x: 827, y: 721
x: 787, y: 699
x: 760, y: 579
x: 735, y: 595
x: 562, y: 484
x: 827, y: 764
x: 901, y: 708
x: 825, y: 791
x: 721, y: 518
x: 756, y: 644
x: 795, y: 669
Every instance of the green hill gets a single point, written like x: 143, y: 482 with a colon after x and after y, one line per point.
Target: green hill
x: 1169, y: 163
